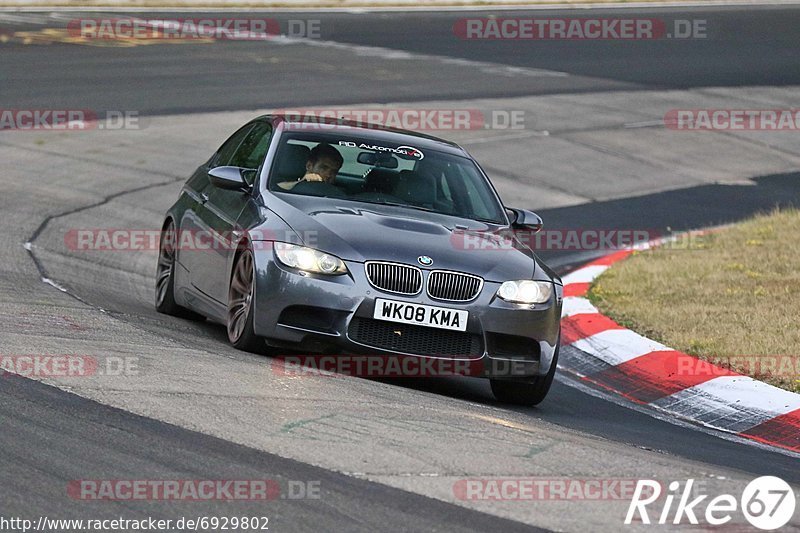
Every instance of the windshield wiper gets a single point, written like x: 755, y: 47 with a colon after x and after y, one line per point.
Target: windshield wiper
x: 410, y: 206
x: 430, y: 210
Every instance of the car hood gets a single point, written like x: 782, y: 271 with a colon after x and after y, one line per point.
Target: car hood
x: 356, y: 231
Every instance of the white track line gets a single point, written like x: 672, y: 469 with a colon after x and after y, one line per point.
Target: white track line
x: 616, y: 346
x: 734, y: 403
x: 571, y: 379
x: 574, y: 305
x: 584, y: 275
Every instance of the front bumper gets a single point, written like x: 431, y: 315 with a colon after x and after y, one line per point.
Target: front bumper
x: 333, y: 315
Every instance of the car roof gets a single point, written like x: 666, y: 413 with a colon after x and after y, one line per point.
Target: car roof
x: 375, y: 132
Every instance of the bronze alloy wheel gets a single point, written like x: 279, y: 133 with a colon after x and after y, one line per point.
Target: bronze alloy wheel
x: 240, y: 305
x: 240, y: 296
x: 166, y: 264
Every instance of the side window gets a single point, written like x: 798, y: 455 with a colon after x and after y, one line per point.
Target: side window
x: 253, y: 150
x: 228, y: 148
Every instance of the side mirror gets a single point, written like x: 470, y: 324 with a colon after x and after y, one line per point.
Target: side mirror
x: 229, y: 178
x: 522, y: 218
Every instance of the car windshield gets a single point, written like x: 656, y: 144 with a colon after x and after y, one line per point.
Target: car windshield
x: 380, y: 172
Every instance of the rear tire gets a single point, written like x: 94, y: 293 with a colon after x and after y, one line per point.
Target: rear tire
x: 165, y: 277
x: 241, y: 291
x: 530, y: 392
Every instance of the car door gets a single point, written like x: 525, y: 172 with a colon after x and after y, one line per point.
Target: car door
x: 194, y: 232
x: 220, y: 213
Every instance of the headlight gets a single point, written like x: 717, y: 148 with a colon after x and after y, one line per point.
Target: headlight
x: 525, y: 291
x: 308, y: 259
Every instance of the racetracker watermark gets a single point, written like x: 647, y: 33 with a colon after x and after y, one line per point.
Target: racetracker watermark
x: 777, y: 366
x: 397, y: 366
x: 373, y: 366
x: 733, y: 119
x: 68, y: 120
x: 552, y: 239
x: 141, y: 240
x: 579, y: 239
x: 193, y: 490
x: 233, y: 29
x: 66, y: 366
x: 545, y: 489
x: 417, y: 119
x: 545, y: 29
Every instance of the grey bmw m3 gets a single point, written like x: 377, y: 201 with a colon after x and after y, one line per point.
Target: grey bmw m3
x: 336, y: 237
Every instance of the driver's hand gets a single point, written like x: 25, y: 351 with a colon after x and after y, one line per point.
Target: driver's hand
x: 311, y: 176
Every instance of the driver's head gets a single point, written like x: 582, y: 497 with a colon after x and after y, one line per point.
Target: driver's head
x: 324, y: 160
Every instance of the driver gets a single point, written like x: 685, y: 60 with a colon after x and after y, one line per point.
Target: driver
x: 323, y: 164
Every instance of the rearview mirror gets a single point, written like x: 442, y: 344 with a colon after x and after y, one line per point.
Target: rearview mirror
x: 377, y: 160
x: 522, y: 218
x: 231, y: 178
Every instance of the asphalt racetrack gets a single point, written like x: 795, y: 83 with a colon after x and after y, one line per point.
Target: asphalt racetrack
x: 591, y: 153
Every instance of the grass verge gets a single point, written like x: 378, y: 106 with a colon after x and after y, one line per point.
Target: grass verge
x: 731, y: 297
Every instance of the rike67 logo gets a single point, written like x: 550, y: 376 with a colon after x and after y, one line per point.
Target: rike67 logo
x: 767, y: 503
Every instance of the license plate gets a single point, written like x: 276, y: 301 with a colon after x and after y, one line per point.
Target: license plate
x: 421, y: 315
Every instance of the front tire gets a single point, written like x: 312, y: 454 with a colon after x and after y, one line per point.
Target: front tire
x: 530, y: 392
x: 240, y: 305
x: 165, y: 277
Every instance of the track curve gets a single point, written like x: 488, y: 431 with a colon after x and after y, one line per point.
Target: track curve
x: 421, y: 436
